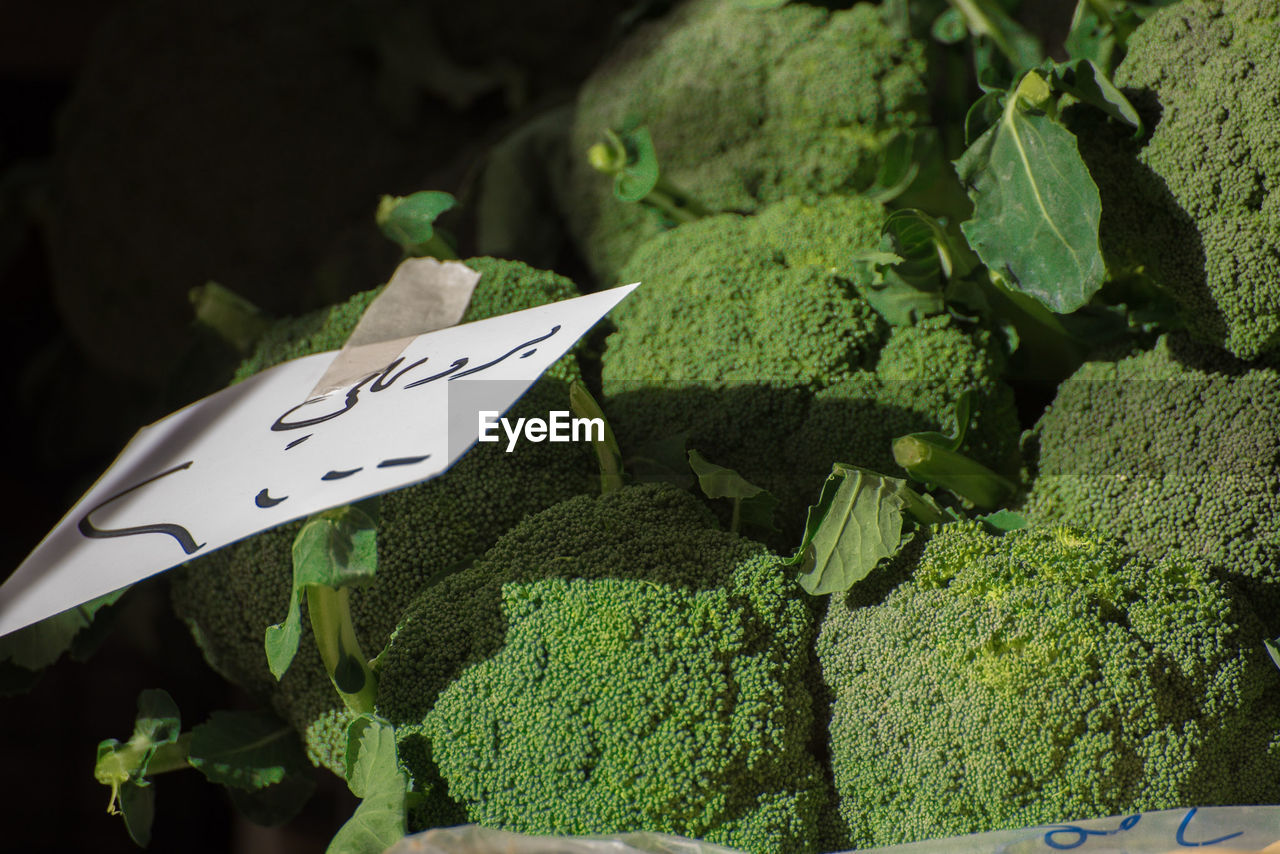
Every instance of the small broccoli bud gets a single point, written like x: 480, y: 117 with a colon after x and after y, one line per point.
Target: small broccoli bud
x: 629, y: 156
x: 410, y: 222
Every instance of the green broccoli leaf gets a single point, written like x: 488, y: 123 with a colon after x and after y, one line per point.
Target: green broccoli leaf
x: 374, y: 776
x: 982, y: 116
x: 410, y: 222
x: 275, y: 804
x: 138, y: 809
x: 1084, y: 79
x: 949, y: 27
x: 989, y: 24
x: 246, y: 750
x: 751, y: 504
x: 41, y: 644
x: 905, y: 278
x: 1036, y: 208
x: 962, y: 417
x: 1003, y: 521
x: 898, y: 169
x: 260, y: 761
x: 857, y: 522
x: 334, y: 549
x: 1100, y: 29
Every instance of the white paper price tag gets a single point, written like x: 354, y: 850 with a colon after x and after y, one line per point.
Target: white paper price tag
x: 259, y: 454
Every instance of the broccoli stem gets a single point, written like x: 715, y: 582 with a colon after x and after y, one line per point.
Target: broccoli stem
x: 436, y: 247
x: 228, y: 315
x: 335, y: 634
x: 952, y: 470
x: 1046, y: 350
x: 920, y: 510
x: 673, y: 203
x: 126, y: 762
x: 608, y: 454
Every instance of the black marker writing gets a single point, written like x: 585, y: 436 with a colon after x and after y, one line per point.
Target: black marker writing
x: 179, y: 533
x: 296, y: 442
x: 458, y: 363
x: 384, y: 381
x: 262, y: 499
x: 402, y: 461
x: 352, y: 398
x: 507, y: 354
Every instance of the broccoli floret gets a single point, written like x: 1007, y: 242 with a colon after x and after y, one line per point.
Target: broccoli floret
x: 424, y: 531
x: 1039, y: 677
x: 615, y: 663
x: 1172, y: 450
x: 750, y: 334
x: 1199, y: 205
x: 746, y: 107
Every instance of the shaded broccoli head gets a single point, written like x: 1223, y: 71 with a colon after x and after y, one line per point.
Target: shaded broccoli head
x: 745, y: 107
x: 1197, y: 204
x: 614, y: 663
x: 751, y: 335
x: 1170, y: 450
x: 424, y: 531
x: 1040, y: 677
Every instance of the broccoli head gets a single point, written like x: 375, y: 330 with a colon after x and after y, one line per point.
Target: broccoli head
x: 614, y: 663
x: 424, y: 531
x: 751, y: 335
x: 746, y: 107
x: 1039, y: 677
x: 1174, y: 450
x: 1197, y: 204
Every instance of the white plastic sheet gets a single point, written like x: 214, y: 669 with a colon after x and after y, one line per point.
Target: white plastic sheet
x: 1219, y: 830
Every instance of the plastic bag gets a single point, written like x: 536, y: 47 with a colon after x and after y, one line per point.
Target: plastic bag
x: 1221, y: 830
x: 473, y: 839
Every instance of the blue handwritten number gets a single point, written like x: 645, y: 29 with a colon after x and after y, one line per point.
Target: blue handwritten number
x: 179, y: 533
x: 1182, y: 828
x: 1082, y: 834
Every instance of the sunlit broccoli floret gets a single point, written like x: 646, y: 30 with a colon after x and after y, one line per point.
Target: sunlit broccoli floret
x: 1041, y: 677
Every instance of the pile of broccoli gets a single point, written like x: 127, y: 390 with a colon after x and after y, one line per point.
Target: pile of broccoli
x: 836, y: 331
